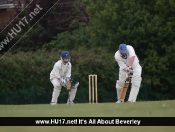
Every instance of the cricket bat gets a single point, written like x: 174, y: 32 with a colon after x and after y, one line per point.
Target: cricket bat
x: 126, y: 85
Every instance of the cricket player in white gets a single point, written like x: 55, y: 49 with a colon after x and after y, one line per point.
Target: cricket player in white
x: 62, y: 69
x: 128, y: 61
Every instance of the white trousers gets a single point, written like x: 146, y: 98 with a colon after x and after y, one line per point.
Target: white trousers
x: 57, y: 89
x: 135, y: 83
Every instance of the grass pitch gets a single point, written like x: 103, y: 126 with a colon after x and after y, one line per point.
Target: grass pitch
x: 138, y: 109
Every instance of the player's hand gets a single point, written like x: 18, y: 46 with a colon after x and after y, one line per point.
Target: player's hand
x: 129, y: 70
x: 130, y: 67
x: 71, y: 80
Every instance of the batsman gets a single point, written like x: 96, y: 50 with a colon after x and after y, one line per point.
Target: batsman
x: 128, y: 65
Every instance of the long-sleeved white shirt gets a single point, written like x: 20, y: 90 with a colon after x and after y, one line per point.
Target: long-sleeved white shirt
x: 60, y: 70
x: 124, y: 62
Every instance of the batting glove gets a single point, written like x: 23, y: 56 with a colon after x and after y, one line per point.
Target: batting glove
x: 70, y: 79
x: 129, y: 70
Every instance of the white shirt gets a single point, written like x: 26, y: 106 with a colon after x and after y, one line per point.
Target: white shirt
x: 59, y: 70
x: 124, y: 62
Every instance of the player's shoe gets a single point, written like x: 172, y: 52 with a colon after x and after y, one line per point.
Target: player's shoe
x: 120, y: 101
x: 53, y: 103
x: 70, y: 102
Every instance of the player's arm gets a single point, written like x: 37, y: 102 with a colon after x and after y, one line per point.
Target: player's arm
x: 67, y: 80
x: 56, y: 70
x: 131, y: 60
x: 131, y: 57
x: 121, y: 64
x: 68, y: 73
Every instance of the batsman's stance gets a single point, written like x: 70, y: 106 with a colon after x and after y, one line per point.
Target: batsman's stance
x: 61, y: 76
x: 128, y: 63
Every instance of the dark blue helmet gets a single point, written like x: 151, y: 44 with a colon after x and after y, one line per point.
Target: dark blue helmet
x: 65, y: 54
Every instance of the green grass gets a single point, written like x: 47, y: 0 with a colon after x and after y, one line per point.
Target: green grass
x: 138, y: 109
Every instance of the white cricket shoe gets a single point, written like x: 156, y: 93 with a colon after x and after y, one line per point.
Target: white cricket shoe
x: 53, y: 103
x: 70, y: 102
x: 120, y: 101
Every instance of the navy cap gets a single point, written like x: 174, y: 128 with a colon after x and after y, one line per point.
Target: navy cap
x: 122, y: 48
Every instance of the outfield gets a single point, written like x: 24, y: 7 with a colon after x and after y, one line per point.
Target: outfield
x: 138, y: 109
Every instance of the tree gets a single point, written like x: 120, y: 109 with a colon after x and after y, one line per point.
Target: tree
x: 146, y: 25
x: 65, y: 15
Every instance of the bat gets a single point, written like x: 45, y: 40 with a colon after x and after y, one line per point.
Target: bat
x: 126, y: 85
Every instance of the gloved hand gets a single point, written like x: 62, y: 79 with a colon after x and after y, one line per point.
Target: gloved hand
x: 129, y: 70
x: 71, y: 80
x: 66, y: 82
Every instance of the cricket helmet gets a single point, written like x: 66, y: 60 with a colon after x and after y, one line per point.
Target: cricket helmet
x: 122, y: 48
x: 65, y: 54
